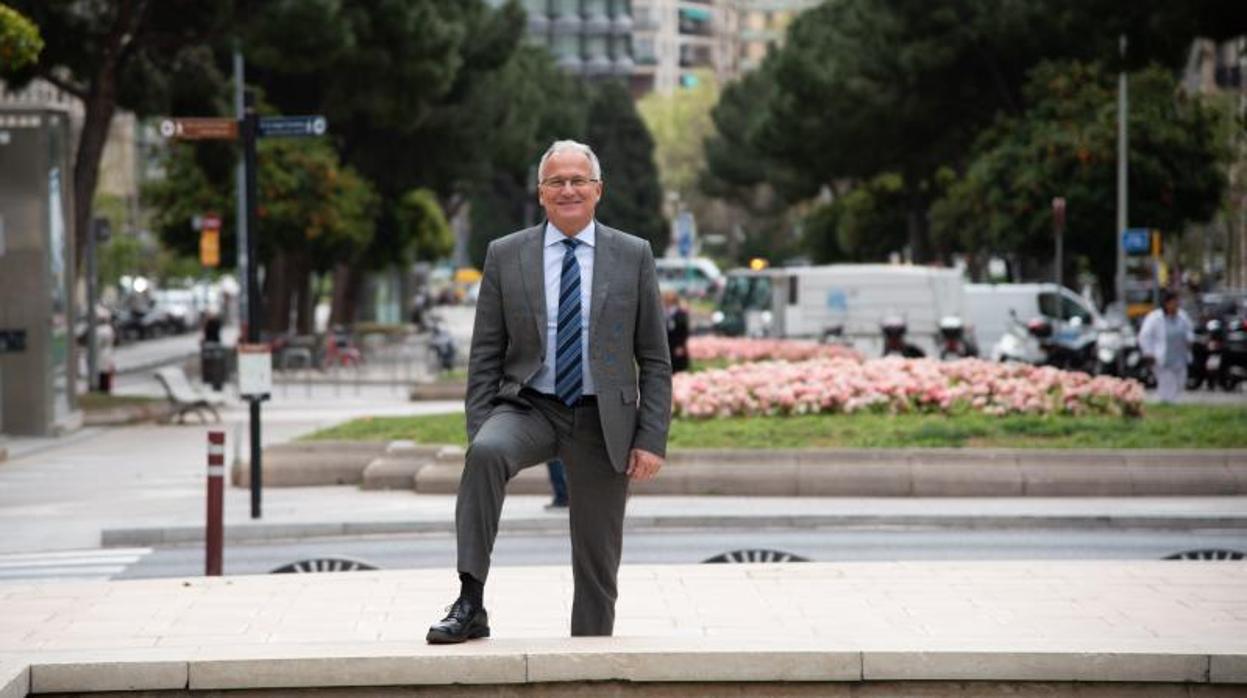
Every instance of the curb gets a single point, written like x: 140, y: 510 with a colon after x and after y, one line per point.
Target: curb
x: 913, y: 472
x: 156, y: 411
x: 557, y: 523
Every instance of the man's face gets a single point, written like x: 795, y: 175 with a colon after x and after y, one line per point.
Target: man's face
x: 569, y: 207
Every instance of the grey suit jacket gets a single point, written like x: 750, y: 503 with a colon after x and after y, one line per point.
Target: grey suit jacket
x: 627, y: 337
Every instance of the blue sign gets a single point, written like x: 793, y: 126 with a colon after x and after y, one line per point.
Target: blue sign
x: 292, y: 126
x: 684, y: 233
x: 1136, y: 240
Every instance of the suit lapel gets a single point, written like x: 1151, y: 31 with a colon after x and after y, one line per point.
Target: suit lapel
x: 532, y: 271
x: 601, y: 275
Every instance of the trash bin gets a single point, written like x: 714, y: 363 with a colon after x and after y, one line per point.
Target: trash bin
x: 212, y: 364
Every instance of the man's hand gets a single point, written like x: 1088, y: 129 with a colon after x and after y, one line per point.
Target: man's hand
x: 643, y: 465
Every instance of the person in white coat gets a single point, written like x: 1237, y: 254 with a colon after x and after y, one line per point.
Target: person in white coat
x: 1165, y: 341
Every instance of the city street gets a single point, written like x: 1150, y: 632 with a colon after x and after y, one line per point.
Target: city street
x: 647, y: 547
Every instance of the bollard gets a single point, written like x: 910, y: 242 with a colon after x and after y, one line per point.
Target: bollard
x: 216, y: 501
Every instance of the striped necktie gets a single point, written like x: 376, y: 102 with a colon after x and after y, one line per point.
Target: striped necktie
x: 568, y: 379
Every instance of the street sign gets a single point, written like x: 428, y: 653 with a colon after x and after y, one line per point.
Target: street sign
x: 684, y: 233
x: 255, y: 370
x: 210, y: 247
x: 200, y: 129
x: 292, y: 126
x: 1136, y: 240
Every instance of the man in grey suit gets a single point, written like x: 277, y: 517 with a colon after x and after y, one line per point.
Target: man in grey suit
x: 569, y: 359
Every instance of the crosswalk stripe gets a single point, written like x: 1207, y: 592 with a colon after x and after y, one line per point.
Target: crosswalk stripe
x: 69, y: 564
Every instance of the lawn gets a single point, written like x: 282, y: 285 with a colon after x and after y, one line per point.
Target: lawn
x: 1182, y: 426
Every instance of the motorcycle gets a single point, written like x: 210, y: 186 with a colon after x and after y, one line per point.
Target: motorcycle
x: 1233, y: 368
x: 894, y: 343
x: 1205, y: 361
x: 1036, y: 343
x: 1117, y: 354
x: 441, y: 346
x: 953, y: 341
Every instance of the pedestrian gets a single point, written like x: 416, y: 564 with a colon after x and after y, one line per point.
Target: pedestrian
x: 677, y: 330
x: 1165, y: 343
x: 557, y: 473
x: 569, y: 360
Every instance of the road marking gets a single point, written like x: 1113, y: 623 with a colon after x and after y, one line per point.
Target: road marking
x: 69, y: 564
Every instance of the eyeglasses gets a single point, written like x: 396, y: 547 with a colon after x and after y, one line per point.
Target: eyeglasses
x: 557, y: 183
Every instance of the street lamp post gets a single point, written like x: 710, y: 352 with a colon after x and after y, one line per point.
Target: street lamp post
x: 1122, y: 197
x: 1058, y: 231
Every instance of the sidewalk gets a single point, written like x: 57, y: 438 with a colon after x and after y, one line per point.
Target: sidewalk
x: 1175, y: 624
x: 145, y: 485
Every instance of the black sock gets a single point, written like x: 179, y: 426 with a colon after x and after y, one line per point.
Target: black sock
x: 471, y: 589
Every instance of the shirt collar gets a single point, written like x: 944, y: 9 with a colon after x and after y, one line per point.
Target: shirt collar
x: 587, y: 235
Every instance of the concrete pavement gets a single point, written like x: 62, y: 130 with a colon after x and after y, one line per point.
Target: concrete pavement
x: 1163, y: 627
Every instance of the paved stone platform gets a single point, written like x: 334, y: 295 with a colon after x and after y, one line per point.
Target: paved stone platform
x: 1168, y: 624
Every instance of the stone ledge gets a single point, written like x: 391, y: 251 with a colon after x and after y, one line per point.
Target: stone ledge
x: 14, y: 679
x: 638, y: 660
x: 930, y: 472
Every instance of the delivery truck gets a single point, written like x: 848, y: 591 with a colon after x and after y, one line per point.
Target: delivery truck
x: 845, y: 301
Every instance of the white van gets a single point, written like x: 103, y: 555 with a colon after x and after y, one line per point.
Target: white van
x: 694, y: 276
x: 808, y: 302
x: 989, y: 308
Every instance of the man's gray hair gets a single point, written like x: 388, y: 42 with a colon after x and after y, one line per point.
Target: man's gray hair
x: 572, y: 147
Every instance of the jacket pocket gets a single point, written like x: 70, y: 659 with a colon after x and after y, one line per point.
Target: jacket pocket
x: 629, y: 397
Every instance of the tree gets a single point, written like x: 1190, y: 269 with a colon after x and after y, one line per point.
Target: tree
x: 20, y: 42
x: 632, y: 200
x: 311, y: 213
x: 146, y: 56
x: 403, y: 84
x: 680, y: 123
x: 867, y: 87
x: 542, y: 104
x: 1065, y: 145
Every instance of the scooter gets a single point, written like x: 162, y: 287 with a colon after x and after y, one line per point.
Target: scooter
x: 1234, y: 355
x: 953, y: 341
x: 1204, y: 366
x: 1117, y: 354
x: 894, y: 343
x: 441, y: 345
x: 1069, y: 350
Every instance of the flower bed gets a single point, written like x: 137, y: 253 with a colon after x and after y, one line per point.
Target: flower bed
x: 736, y: 349
x: 895, y: 385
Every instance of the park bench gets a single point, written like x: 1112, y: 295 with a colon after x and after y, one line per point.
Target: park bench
x: 185, y: 397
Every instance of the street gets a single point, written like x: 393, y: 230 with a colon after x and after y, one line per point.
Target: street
x: 640, y: 548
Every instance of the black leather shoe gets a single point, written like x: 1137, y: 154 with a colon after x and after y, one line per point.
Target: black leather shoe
x: 466, y: 621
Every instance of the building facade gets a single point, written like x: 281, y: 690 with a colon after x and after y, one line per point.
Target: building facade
x: 659, y: 45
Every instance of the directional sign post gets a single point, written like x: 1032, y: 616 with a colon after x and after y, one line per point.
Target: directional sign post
x: 200, y: 129
x: 248, y: 129
x: 292, y: 126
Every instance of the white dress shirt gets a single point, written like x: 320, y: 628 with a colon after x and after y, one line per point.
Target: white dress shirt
x: 552, y: 263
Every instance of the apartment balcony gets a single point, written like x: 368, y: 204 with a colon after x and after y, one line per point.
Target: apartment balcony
x: 597, y: 24
x: 624, y: 66
x: 538, y: 23
x: 621, y: 24
x: 599, y: 65
x: 571, y: 63
x: 567, y: 24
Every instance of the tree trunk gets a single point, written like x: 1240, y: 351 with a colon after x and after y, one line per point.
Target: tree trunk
x: 100, y: 104
x: 346, y: 283
x: 277, y: 290
x: 301, y: 278
x: 918, y: 226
